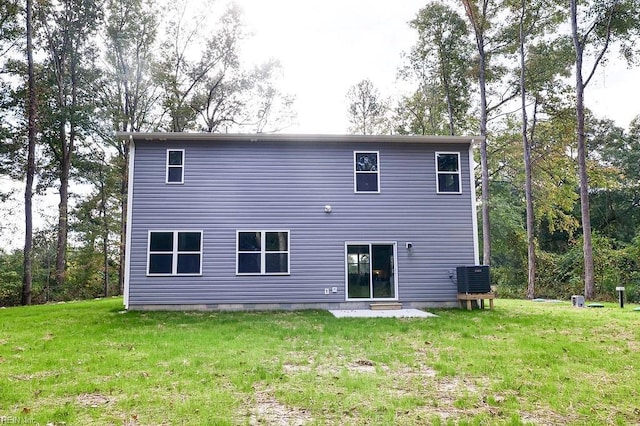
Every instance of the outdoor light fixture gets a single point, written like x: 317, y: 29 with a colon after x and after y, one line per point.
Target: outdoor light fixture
x: 409, y: 245
x: 327, y: 208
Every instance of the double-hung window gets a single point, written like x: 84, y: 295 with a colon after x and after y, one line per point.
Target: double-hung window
x: 175, y: 166
x: 262, y: 252
x: 366, y: 170
x: 175, y: 253
x: 448, y: 173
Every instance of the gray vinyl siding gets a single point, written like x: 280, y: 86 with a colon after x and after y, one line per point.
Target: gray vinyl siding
x: 284, y: 185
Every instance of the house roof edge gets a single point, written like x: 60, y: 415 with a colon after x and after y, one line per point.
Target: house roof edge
x: 292, y: 137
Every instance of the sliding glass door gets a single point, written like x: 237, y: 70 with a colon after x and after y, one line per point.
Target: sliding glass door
x: 371, y: 271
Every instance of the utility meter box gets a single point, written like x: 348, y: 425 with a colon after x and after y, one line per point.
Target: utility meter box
x: 577, y: 301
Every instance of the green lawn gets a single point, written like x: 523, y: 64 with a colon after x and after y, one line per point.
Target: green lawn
x: 522, y: 363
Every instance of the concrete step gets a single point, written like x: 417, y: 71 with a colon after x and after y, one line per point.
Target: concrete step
x: 379, y: 306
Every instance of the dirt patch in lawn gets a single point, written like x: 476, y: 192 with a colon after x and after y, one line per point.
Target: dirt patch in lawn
x: 93, y: 400
x: 546, y: 418
x: 39, y: 375
x: 362, y: 366
x: 267, y: 410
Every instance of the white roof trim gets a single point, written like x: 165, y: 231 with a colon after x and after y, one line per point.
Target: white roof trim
x: 282, y: 137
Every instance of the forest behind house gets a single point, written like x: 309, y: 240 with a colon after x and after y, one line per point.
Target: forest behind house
x: 558, y: 187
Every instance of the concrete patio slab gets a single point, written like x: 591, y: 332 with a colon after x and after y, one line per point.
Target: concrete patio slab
x: 382, y: 313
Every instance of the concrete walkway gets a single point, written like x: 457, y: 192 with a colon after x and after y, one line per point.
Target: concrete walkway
x: 382, y: 313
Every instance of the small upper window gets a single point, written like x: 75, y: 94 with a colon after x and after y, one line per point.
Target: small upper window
x: 366, y: 169
x: 175, y: 166
x: 448, y: 172
x: 175, y: 253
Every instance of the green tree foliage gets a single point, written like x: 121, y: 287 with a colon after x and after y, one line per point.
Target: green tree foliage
x: 98, y: 68
x: 615, y: 185
x: 203, y: 84
x: 615, y: 265
x: 420, y: 113
x: 440, y: 65
x: 10, y: 278
x: 509, y: 265
x: 10, y: 32
x: 44, y: 288
x: 535, y: 21
x: 554, y: 177
x: 484, y: 17
x: 10, y: 27
x: 128, y: 93
x: 191, y: 62
x: 96, y: 220
x: 615, y: 209
x: 595, y: 26
x: 66, y: 28
x: 367, y: 110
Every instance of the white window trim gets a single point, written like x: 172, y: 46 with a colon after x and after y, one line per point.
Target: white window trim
x: 438, y: 173
x: 355, y: 173
x: 263, y: 252
x: 167, y: 166
x: 174, y: 252
x: 346, y: 269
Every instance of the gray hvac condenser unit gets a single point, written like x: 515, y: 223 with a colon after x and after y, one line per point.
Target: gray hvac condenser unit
x: 473, y: 279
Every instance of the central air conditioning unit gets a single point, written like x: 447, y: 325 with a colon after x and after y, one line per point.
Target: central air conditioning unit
x: 473, y: 279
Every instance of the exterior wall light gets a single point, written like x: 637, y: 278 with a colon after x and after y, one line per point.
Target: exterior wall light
x: 327, y: 208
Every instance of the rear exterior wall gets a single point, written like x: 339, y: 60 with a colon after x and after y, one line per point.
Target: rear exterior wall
x: 282, y: 185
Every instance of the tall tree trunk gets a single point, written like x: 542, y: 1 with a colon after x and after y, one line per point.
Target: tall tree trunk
x: 486, y: 225
x: 63, y: 175
x: 531, y: 246
x: 63, y: 207
x: 587, y: 246
x: 105, y: 228
x: 31, y: 141
x: 478, y: 25
x: 67, y: 148
x: 447, y: 90
x: 65, y: 171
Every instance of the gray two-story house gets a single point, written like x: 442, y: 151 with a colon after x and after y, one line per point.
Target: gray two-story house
x: 268, y: 221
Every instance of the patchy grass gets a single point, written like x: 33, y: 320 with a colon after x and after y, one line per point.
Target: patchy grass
x: 522, y: 363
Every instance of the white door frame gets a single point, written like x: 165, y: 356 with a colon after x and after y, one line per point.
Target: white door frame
x: 394, y: 244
